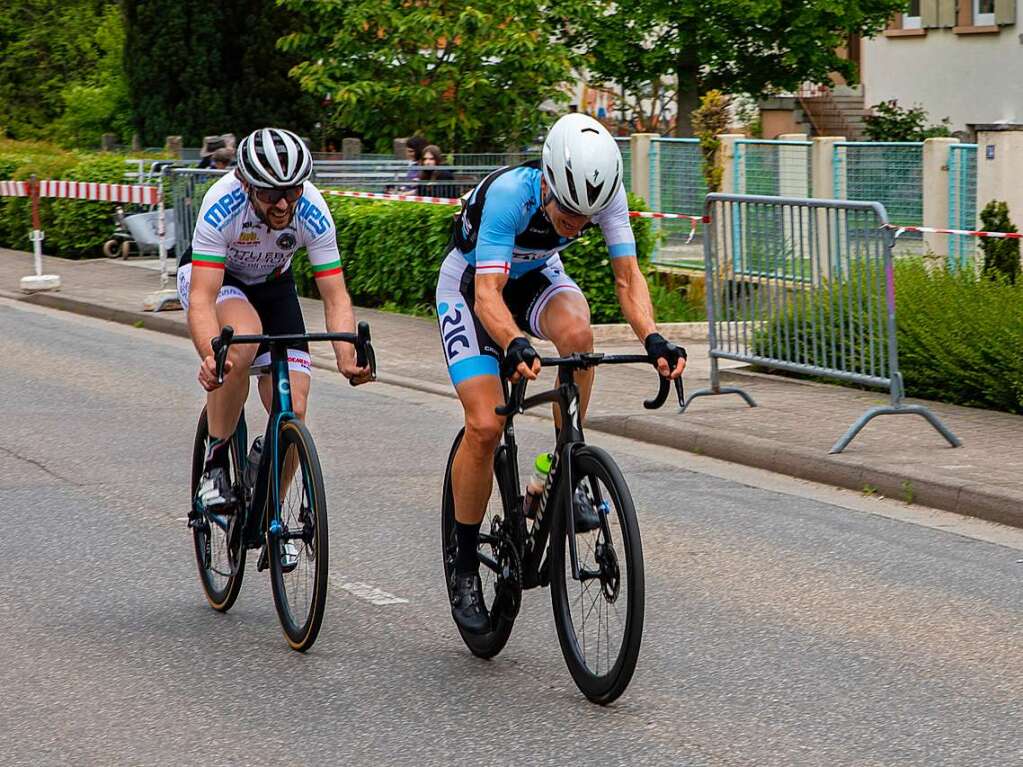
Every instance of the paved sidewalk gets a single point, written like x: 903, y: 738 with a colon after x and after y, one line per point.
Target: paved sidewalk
x: 790, y: 432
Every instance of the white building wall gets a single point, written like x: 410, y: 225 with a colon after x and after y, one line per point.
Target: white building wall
x: 968, y: 78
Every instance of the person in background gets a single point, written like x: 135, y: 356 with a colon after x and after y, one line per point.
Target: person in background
x: 223, y: 158
x: 414, y: 147
x: 433, y: 171
x: 210, y: 144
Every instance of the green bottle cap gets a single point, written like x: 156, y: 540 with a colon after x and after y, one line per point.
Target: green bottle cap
x: 543, y: 463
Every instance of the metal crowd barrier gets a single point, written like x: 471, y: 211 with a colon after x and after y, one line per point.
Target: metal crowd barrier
x: 806, y: 286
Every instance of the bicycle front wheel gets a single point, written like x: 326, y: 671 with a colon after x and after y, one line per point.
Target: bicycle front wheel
x: 219, y: 556
x: 298, y: 548
x: 599, y: 613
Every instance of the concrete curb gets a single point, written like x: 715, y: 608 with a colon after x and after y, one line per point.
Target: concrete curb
x: 993, y: 503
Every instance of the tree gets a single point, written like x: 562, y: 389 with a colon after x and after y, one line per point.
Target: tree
x: 471, y: 77
x: 1001, y: 255
x: 45, y: 47
x: 99, y: 104
x: 197, y: 67
x: 692, y: 46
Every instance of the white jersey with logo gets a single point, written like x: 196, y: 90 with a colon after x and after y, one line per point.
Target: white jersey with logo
x: 230, y: 235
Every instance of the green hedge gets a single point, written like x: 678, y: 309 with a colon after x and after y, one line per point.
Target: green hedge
x: 392, y: 254
x: 73, y: 228
x: 960, y: 335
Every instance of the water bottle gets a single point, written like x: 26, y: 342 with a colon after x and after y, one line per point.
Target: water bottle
x: 535, y: 485
x: 252, y: 466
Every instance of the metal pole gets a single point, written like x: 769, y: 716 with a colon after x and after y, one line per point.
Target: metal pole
x: 162, y: 232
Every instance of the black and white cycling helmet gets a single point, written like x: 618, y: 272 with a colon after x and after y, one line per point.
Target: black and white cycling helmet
x: 274, y: 158
x: 581, y: 164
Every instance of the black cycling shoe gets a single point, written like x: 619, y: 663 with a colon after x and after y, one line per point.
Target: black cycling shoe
x: 467, y: 606
x: 215, y: 493
x: 586, y: 517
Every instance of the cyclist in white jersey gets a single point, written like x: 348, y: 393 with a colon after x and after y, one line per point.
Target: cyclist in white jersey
x: 502, y: 278
x: 237, y: 273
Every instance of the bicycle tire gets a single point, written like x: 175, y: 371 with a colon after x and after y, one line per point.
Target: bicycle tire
x: 481, y: 645
x: 588, y: 464
x: 301, y: 626
x: 221, y: 591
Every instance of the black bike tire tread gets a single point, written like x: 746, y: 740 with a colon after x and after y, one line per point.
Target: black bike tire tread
x: 481, y: 645
x: 219, y: 600
x: 608, y: 688
x: 303, y: 638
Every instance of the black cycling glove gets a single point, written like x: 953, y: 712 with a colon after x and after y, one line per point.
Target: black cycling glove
x: 658, y: 346
x: 519, y: 350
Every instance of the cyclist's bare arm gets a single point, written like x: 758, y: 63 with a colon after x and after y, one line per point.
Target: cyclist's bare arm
x: 493, y: 313
x: 340, y: 318
x: 634, y: 298
x: 202, y: 308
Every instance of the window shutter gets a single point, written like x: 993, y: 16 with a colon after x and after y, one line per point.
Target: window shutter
x: 1005, y: 12
x: 946, y: 13
x: 928, y: 13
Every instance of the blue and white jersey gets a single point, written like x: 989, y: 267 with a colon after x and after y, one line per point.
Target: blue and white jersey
x: 503, y: 230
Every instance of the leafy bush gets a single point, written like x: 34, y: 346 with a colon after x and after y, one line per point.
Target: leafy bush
x: 1001, y: 256
x: 959, y: 335
x: 890, y: 122
x: 392, y: 254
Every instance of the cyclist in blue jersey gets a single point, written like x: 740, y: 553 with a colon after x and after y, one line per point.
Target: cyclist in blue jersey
x: 502, y: 278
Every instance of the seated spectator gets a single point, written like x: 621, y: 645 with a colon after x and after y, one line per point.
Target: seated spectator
x: 433, y: 171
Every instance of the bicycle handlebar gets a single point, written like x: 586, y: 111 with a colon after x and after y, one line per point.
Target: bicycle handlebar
x: 364, y: 354
x: 516, y: 398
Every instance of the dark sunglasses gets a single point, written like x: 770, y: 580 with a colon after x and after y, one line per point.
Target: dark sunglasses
x: 273, y: 196
x: 564, y: 209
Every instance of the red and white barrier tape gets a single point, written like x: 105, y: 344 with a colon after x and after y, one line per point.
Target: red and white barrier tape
x: 85, y: 190
x: 693, y: 220
x: 900, y: 230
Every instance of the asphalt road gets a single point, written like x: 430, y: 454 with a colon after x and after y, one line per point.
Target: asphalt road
x: 787, y: 624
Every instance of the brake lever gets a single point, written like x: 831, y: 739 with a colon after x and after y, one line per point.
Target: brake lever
x: 514, y: 404
x: 220, y: 346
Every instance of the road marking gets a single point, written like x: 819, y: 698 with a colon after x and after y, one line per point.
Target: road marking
x: 371, y: 594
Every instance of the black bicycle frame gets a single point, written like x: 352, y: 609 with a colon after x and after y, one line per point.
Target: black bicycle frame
x: 559, y: 485
x: 280, y: 411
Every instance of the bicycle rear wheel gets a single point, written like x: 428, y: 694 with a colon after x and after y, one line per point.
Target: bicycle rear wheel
x: 221, y: 560
x: 298, y: 550
x: 599, y: 617
x: 500, y: 569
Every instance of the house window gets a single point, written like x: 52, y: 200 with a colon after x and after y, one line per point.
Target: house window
x: 983, y: 13
x: 911, y: 20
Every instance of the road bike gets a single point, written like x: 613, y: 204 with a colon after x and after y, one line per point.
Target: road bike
x: 281, y: 506
x: 596, y: 576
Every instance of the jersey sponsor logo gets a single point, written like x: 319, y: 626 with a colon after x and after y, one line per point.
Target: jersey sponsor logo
x: 224, y: 209
x: 313, y: 217
x: 248, y: 238
x: 286, y: 241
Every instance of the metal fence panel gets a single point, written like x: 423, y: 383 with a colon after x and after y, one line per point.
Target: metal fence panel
x: 819, y: 301
x: 676, y: 186
x: 184, y: 189
x: 777, y: 168
x: 962, y: 204
x: 890, y: 173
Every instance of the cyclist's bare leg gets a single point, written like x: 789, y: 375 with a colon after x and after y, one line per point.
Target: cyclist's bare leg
x: 224, y: 405
x: 472, y: 471
x: 566, y: 322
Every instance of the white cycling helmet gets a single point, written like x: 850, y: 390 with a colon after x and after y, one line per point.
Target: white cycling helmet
x: 581, y: 164
x: 274, y: 158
